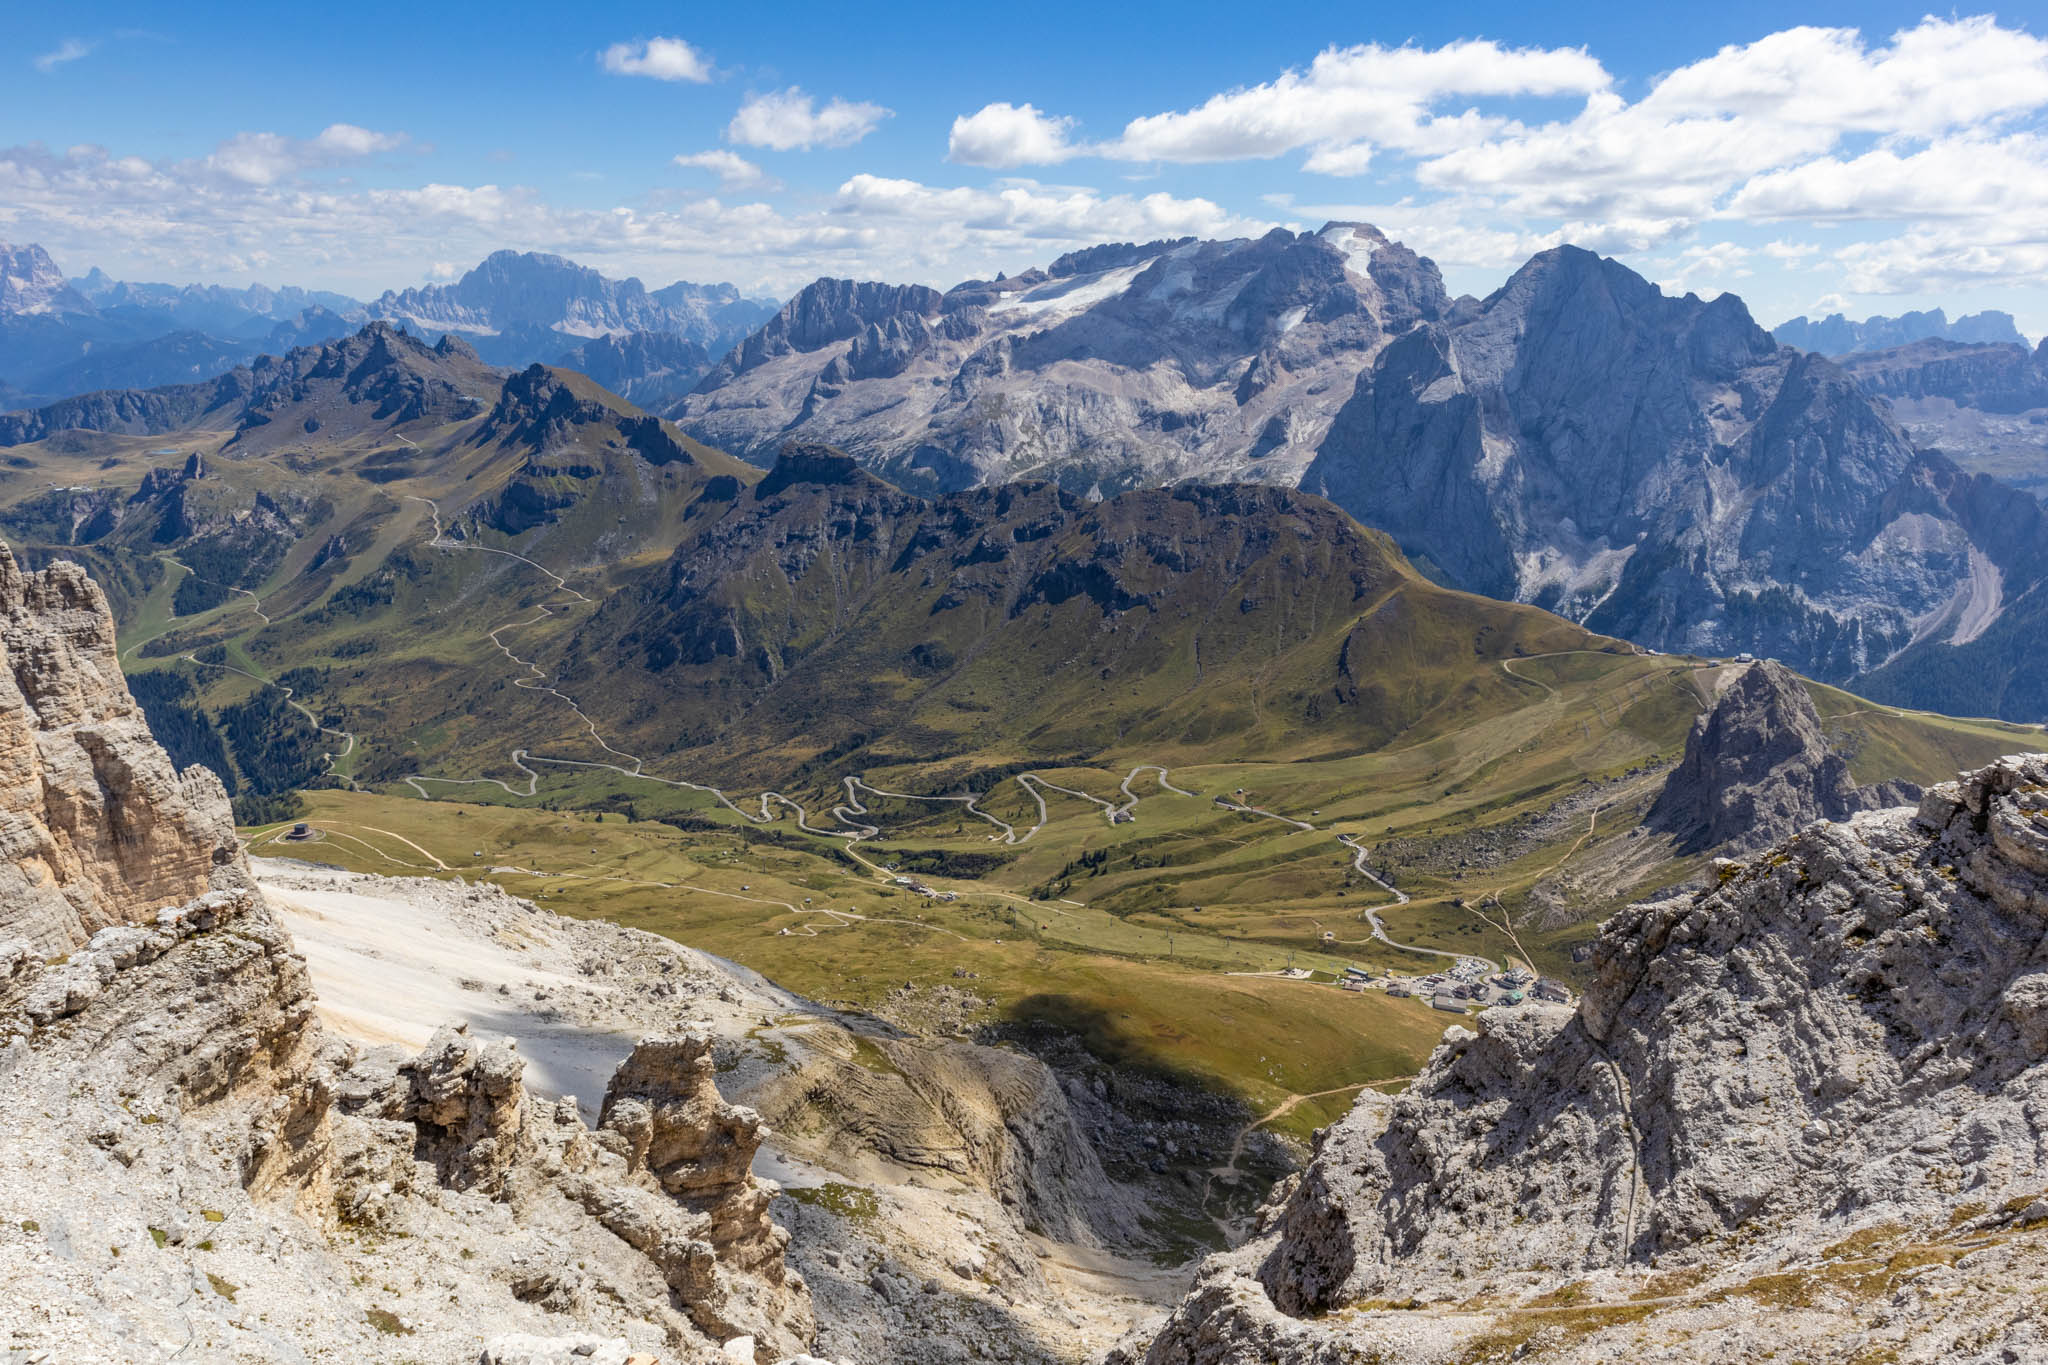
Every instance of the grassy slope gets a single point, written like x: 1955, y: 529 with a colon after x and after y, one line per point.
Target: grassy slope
x: 1388, y: 710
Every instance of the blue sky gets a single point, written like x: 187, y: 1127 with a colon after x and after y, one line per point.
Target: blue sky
x: 1807, y: 157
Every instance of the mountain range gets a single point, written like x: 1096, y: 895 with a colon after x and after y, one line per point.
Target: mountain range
x: 1836, y: 335
x: 1122, y: 365
x: 1659, y: 468
x: 1656, y: 468
x: 62, y: 338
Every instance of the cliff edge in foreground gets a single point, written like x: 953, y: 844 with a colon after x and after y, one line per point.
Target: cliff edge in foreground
x: 192, y: 1167
x: 1804, y: 1112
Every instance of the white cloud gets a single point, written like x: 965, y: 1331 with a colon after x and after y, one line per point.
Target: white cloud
x: 1347, y: 102
x: 1704, y: 266
x: 1026, y: 210
x: 1960, y: 177
x: 1789, y: 252
x: 1747, y: 131
x: 441, y: 271
x: 342, y: 140
x: 664, y: 59
x: 1948, y: 257
x: 70, y: 50
x: 789, y: 120
x: 1940, y: 75
x: 263, y: 158
x: 734, y: 171
x: 1935, y: 123
x: 1008, y: 135
x: 188, y: 220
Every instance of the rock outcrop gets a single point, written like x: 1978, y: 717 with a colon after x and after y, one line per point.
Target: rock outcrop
x: 994, y: 1118
x: 172, y: 1112
x: 99, y: 829
x: 1758, y: 767
x: 1802, y: 1087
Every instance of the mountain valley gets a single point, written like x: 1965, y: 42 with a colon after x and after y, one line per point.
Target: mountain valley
x: 838, y: 686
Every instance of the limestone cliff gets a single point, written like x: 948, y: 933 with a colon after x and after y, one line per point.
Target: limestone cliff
x: 96, y: 826
x: 1757, y: 767
x: 188, y: 1159
x: 1803, y: 1088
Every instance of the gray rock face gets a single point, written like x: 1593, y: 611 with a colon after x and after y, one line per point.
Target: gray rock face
x: 1983, y: 406
x: 2005, y: 378
x: 1847, y: 1038
x: 1121, y: 365
x: 650, y: 369
x: 1656, y: 468
x: 1758, y: 768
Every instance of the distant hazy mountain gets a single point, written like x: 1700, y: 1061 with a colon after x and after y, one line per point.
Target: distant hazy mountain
x: 653, y: 369
x: 1836, y: 335
x: 1121, y: 365
x: 212, y: 307
x: 1983, y: 406
x: 518, y: 307
x: 174, y: 358
x: 60, y: 338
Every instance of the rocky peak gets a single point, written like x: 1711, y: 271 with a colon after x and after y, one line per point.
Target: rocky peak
x: 169, y: 1086
x: 99, y: 829
x: 537, y: 407
x: 1758, y: 767
x: 808, y: 462
x: 523, y: 304
x: 1111, y: 255
x: 30, y: 282
x: 1836, y: 1050
x: 382, y: 373
x: 451, y: 346
x: 826, y: 311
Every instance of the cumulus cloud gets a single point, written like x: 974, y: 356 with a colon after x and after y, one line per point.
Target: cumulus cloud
x: 1810, y: 123
x: 1704, y: 265
x: 1960, y: 177
x: 734, y: 171
x: 790, y: 120
x: 264, y: 158
x: 185, y: 219
x: 1756, y: 131
x: 1026, y: 210
x: 1008, y: 135
x: 1353, y: 99
x: 663, y: 59
x: 1349, y: 101
x: 70, y: 50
